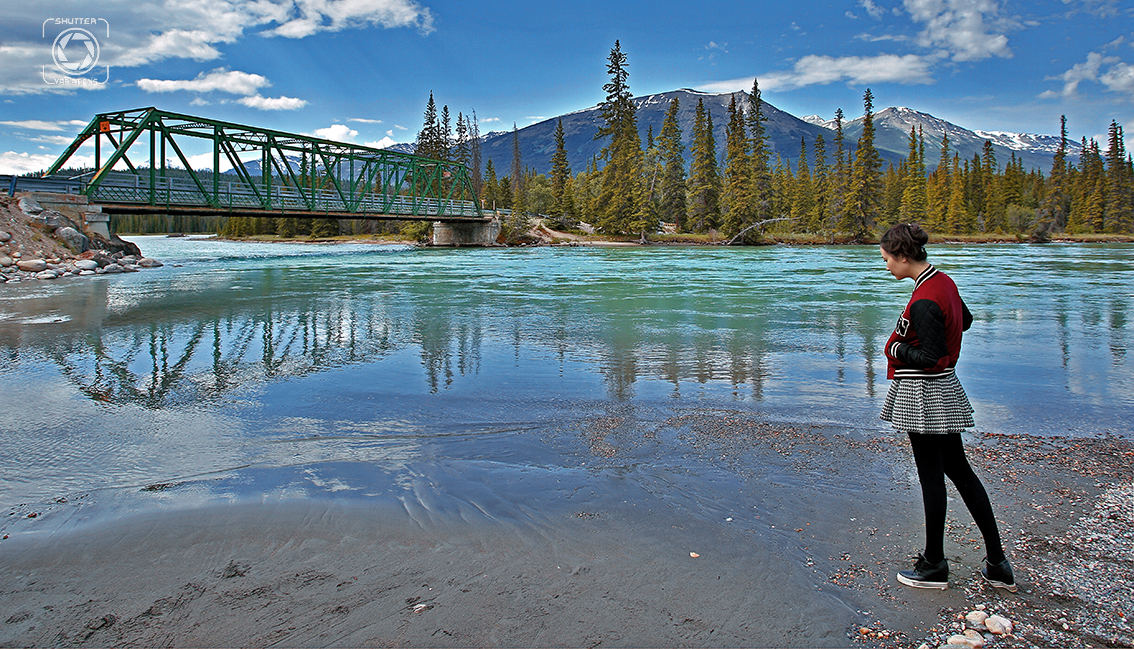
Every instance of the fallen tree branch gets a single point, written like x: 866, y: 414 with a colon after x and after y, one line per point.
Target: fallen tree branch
x: 757, y: 224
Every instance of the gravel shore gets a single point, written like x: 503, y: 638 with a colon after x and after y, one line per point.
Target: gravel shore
x: 329, y: 573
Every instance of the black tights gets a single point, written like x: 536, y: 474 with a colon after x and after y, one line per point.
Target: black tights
x: 938, y: 456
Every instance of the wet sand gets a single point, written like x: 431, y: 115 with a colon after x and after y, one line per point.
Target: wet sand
x: 615, y: 570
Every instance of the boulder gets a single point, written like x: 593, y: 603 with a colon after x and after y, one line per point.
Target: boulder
x: 6, y: 261
x: 47, y: 274
x: 32, y: 265
x: 98, y: 256
x: 75, y: 240
x: 86, y: 264
x: 110, y: 268
x: 146, y: 262
x: 30, y: 206
x: 5, y: 236
x: 50, y: 221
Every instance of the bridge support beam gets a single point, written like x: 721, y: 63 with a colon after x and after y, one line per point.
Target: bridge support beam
x: 76, y: 207
x: 465, y: 234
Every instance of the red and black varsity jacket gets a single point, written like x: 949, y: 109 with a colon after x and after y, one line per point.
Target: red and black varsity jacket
x: 927, y: 341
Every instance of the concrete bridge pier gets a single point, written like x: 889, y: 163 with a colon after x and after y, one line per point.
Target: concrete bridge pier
x: 466, y: 234
x: 76, y: 207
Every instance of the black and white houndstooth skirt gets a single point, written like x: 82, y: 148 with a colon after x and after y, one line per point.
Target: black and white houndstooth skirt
x: 928, y: 406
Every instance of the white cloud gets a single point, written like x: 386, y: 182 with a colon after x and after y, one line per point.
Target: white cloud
x: 273, y: 103
x: 307, y: 17
x: 965, y: 28
x: 821, y: 70
x: 144, y: 32
x: 337, y: 133
x: 384, y: 143
x: 15, y: 163
x: 220, y: 79
x: 38, y: 125
x: 363, y: 120
x: 1118, y: 78
x: 873, y: 10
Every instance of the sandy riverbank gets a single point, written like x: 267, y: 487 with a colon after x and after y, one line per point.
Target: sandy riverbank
x: 334, y: 573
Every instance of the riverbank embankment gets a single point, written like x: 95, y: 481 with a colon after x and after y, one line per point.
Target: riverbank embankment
x: 39, y: 244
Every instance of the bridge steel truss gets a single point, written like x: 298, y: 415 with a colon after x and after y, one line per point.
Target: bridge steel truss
x: 341, y: 180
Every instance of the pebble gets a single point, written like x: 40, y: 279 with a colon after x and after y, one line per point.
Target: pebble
x: 976, y: 619
x: 998, y: 625
x: 32, y: 265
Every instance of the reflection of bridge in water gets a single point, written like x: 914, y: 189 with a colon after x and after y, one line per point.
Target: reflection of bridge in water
x: 142, y: 167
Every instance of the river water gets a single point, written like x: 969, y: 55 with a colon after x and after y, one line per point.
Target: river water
x: 498, y: 382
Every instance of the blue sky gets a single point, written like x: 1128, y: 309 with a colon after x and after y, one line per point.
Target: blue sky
x: 361, y: 70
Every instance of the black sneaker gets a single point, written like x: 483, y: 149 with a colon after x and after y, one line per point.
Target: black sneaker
x: 999, y: 575
x: 926, y: 574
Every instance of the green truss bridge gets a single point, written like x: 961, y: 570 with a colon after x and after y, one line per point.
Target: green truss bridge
x: 142, y: 166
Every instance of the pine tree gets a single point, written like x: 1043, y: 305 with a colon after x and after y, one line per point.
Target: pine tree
x: 955, y: 212
x: 1056, y: 204
x: 836, y: 187
x: 515, y: 227
x: 937, y: 190
x: 563, y: 207
x: 704, y: 180
x: 994, y: 205
x: 736, y: 201
x: 914, y: 197
x: 817, y: 221
x: 1119, y: 183
x: 490, y: 195
x: 893, y: 188
x: 473, y: 129
x: 671, y: 191
x: 430, y: 143
x: 865, y: 190
x: 759, y: 170
x: 803, y: 192
x: 621, y: 198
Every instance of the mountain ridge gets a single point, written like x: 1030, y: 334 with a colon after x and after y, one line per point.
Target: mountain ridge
x: 892, y: 127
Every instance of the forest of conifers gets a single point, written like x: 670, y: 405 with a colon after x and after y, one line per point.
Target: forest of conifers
x: 837, y: 192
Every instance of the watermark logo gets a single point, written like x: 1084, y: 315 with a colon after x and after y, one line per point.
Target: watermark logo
x: 75, y: 51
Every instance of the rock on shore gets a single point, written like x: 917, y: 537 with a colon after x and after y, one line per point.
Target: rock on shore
x: 39, y: 244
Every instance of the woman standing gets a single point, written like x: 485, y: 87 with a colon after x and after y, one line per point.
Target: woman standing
x: 927, y: 402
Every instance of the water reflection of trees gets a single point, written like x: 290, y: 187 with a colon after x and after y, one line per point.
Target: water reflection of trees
x: 202, y: 344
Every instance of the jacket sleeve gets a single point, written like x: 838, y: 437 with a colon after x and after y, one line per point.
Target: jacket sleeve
x: 928, y: 323
x: 966, y: 317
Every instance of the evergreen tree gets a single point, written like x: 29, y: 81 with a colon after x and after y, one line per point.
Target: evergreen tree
x: 563, y: 206
x: 1119, y: 183
x: 736, y: 201
x: 914, y: 197
x: 671, y: 151
x: 473, y: 129
x: 865, y: 191
x: 515, y: 227
x: 893, y: 188
x: 955, y: 210
x: 994, y: 205
x: 817, y: 221
x: 704, y: 180
x: 490, y: 195
x: 836, y: 187
x: 620, y: 203
x: 430, y: 141
x: 760, y: 173
x: 803, y: 192
x: 937, y: 191
x: 1056, y: 204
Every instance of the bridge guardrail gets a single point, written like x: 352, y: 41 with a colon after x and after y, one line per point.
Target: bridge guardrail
x: 173, y: 192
